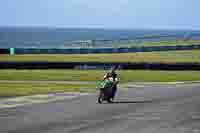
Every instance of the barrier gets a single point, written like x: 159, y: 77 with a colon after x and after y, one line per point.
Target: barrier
x: 4, y: 51
x: 13, y: 51
x: 97, y: 65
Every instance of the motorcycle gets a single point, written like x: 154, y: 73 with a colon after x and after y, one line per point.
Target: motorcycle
x: 105, y: 91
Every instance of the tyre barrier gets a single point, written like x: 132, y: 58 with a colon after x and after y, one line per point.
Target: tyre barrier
x: 97, y: 65
x: 4, y: 51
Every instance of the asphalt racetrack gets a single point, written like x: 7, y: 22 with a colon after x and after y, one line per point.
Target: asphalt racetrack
x: 148, y: 108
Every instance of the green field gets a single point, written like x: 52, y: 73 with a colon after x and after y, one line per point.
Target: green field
x: 29, y: 88
x: 96, y: 75
x: 139, y: 43
x: 171, y: 43
x: 18, y: 89
x: 23, y: 89
x: 188, y: 56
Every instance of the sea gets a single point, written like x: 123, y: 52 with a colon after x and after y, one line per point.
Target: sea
x: 44, y: 37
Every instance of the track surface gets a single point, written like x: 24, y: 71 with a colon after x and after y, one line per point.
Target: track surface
x: 140, y: 109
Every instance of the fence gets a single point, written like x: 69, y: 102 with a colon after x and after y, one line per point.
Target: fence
x: 96, y: 50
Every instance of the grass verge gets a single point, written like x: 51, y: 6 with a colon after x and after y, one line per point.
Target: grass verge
x: 23, y: 89
x: 171, y: 43
x: 187, y: 56
x: 96, y: 75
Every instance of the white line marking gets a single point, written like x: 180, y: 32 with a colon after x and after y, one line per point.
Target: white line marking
x: 28, y: 100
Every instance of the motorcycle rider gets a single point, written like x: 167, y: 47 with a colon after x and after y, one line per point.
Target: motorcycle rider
x: 115, y: 79
x: 112, y: 75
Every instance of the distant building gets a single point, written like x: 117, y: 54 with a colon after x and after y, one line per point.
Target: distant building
x: 79, y: 43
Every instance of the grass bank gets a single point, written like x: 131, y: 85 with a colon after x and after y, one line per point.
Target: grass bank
x: 24, y: 89
x: 21, y: 89
x: 187, y: 56
x: 171, y: 43
x: 138, y: 43
x: 96, y: 75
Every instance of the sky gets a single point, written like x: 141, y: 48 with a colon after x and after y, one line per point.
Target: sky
x: 130, y: 14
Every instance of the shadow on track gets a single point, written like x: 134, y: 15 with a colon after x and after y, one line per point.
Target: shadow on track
x: 121, y: 102
x: 129, y: 102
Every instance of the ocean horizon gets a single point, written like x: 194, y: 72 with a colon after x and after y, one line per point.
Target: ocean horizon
x: 58, y: 37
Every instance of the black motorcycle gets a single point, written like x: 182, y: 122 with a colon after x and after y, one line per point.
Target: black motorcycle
x: 105, y: 94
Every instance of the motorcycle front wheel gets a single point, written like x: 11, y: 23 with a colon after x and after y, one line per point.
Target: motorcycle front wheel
x: 100, y: 98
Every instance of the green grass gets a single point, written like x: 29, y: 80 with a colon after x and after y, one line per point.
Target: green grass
x: 188, y: 56
x: 171, y: 43
x: 96, y: 75
x: 138, y: 43
x: 23, y: 89
x: 51, y: 75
